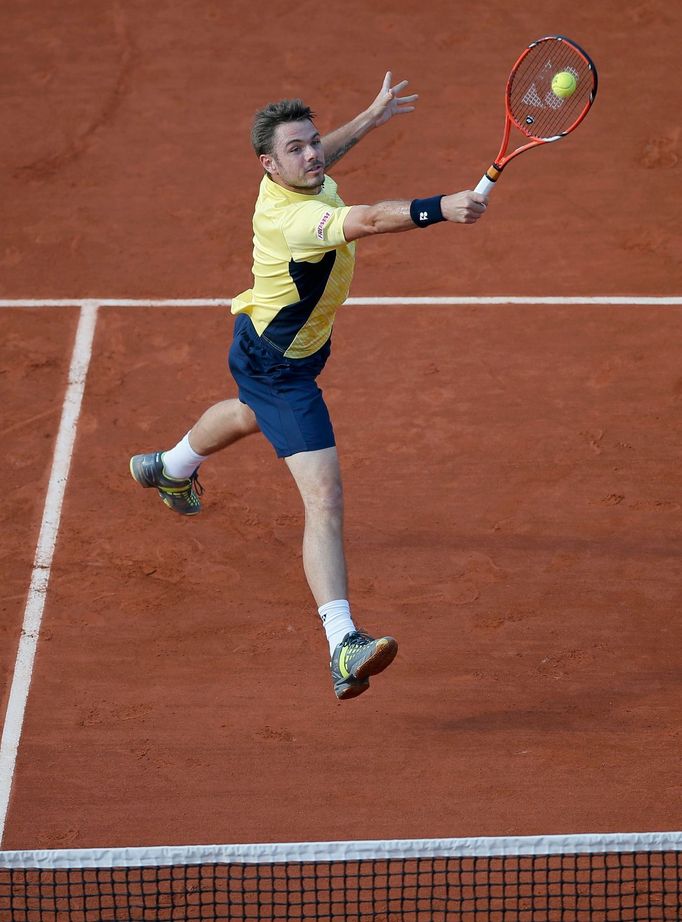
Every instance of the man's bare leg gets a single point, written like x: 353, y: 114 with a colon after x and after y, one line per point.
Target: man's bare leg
x: 173, y: 473
x: 221, y: 425
x: 355, y: 656
x: 318, y: 478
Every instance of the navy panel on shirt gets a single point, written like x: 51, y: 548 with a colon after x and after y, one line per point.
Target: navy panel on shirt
x: 310, y: 280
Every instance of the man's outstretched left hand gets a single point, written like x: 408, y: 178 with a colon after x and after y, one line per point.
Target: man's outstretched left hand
x: 389, y: 103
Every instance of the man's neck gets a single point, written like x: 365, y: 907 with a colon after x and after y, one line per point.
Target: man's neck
x: 302, y: 191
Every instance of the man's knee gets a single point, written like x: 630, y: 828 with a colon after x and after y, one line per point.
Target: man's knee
x: 245, y: 418
x: 324, y: 499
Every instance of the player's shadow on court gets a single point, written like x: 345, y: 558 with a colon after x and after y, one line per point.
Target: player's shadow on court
x: 639, y: 700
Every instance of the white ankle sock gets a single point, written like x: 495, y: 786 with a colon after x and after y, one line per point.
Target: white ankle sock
x: 337, y: 621
x: 182, y: 461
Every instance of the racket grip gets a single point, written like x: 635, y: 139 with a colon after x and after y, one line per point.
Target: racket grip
x: 485, y: 186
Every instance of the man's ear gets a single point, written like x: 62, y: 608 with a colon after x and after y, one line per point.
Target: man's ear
x: 268, y: 163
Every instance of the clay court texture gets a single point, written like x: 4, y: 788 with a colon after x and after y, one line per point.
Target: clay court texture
x: 512, y: 467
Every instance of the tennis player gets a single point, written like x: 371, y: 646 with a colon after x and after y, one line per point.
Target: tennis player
x: 303, y: 261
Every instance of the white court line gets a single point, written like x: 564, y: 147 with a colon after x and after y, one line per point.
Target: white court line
x: 615, y: 300
x: 42, y: 564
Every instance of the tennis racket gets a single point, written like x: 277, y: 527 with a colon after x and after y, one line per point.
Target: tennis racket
x: 532, y: 106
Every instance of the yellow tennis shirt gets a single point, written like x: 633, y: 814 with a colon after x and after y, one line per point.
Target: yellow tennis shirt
x: 302, y: 267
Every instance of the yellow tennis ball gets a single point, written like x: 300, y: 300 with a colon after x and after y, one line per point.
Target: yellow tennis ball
x: 564, y: 84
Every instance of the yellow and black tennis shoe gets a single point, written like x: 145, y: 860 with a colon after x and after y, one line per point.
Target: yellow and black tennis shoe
x: 358, y: 657
x: 179, y: 495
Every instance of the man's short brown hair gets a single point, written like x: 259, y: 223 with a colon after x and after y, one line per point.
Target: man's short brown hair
x: 267, y: 119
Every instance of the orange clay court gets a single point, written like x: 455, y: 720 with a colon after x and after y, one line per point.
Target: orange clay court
x: 512, y: 470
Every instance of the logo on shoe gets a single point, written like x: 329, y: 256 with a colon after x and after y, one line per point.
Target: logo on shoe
x: 343, y: 669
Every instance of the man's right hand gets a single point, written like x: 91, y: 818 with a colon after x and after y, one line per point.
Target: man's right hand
x: 463, y: 207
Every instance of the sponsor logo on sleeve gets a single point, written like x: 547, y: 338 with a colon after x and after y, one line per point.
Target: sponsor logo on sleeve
x: 323, y: 221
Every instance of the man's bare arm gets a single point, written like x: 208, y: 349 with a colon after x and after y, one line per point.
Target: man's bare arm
x: 387, y: 104
x: 394, y: 217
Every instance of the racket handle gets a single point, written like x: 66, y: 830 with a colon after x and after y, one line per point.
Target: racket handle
x: 485, y: 186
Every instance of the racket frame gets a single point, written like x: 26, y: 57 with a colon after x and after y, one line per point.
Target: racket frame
x: 492, y: 174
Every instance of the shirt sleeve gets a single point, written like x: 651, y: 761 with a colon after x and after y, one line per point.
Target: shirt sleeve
x: 312, y: 228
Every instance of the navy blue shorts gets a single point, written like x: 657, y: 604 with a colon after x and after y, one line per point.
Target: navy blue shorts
x: 282, y: 392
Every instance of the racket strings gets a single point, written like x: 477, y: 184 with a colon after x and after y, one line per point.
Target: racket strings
x: 532, y: 104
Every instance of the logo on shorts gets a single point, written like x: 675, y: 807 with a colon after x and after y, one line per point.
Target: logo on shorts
x: 320, y: 227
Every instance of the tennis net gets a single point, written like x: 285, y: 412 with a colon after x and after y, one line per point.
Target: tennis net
x: 600, y: 878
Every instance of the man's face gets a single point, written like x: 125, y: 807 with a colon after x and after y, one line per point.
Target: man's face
x: 297, y: 162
